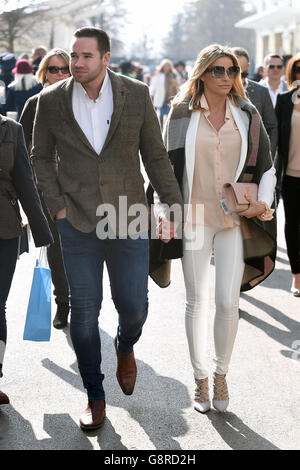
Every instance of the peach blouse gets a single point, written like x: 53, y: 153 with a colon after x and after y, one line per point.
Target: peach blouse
x: 217, y: 156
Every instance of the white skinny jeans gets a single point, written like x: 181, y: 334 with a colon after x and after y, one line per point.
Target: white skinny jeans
x: 229, y: 267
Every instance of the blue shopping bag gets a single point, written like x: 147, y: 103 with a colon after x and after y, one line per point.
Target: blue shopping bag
x: 38, y: 317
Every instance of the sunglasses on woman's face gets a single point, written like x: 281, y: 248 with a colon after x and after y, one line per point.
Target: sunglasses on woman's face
x: 219, y: 71
x: 53, y: 69
x: 296, y: 68
x: 272, y: 67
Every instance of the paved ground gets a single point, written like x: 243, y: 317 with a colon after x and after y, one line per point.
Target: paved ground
x: 47, y: 396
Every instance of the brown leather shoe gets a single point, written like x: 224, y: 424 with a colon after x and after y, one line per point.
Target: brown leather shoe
x: 4, y: 400
x: 93, y: 417
x: 126, y: 371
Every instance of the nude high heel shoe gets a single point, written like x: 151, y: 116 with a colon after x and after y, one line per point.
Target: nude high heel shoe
x: 202, y: 401
x: 221, y: 396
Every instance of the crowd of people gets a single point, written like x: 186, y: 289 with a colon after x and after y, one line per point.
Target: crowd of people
x: 85, y: 125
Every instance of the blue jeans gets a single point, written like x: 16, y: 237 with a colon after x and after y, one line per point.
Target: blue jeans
x: 8, y: 259
x: 164, y: 111
x: 127, y: 263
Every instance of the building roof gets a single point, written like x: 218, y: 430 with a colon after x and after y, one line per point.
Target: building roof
x: 271, y: 18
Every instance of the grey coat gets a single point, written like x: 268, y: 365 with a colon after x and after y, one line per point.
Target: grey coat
x: 259, y: 238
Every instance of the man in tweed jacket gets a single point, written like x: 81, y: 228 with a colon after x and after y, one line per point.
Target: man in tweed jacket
x: 99, y: 121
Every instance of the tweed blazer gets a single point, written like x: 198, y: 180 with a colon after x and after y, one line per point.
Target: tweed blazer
x: 260, y: 97
x: 259, y: 238
x: 16, y: 183
x: 80, y: 179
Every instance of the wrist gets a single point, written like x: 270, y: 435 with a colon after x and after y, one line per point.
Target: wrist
x: 267, y: 214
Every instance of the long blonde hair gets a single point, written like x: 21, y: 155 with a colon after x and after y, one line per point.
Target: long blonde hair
x: 41, y: 73
x: 194, y: 87
x: 164, y: 62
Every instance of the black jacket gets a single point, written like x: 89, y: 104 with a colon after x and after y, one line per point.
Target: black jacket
x: 260, y: 97
x: 284, y: 110
x: 16, y: 183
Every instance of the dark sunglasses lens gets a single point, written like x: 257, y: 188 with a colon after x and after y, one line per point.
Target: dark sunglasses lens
x: 244, y: 74
x: 272, y: 67
x: 297, y: 68
x: 53, y: 69
x: 233, y: 72
x: 218, y: 71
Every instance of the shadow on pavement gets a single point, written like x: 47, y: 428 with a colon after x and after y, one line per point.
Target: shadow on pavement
x: 157, y: 403
x: 287, y: 336
x: 236, y: 433
x: 16, y: 433
x: 279, y: 279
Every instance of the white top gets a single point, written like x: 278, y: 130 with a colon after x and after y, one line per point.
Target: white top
x: 273, y: 94
x: 158, y: 89
x: 94, y: 117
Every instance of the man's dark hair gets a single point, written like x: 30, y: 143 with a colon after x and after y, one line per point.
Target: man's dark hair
x: 97, y: 33
x: 180, y: 62
x: 126, y: 67
x: 272, y: 56
x: 240, y: 52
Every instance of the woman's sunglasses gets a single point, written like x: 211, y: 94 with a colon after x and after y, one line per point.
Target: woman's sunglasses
x: 53, y: 69
x: 296, y: 68
x: 219, y: 71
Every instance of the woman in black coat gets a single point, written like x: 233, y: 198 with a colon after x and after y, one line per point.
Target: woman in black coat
x: 288, y: 115
x: 16, y: 183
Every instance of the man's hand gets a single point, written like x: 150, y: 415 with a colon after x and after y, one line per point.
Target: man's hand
x: 166, y: 230
x: 62, y: 214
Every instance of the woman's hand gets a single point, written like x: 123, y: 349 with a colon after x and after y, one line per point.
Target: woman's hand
x: 62, y: 214
x: 255, y: 209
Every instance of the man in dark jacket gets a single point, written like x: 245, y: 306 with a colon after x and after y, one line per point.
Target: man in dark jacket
x: 259, y: 96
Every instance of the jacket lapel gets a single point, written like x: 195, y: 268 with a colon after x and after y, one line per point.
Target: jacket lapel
x: 190, y: 145
x: 120, y: 92
x: 67, y: 112
x: 242, y: 122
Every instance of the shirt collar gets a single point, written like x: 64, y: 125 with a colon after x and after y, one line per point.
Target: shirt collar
x: 205, y: 107
x: 103, y: 89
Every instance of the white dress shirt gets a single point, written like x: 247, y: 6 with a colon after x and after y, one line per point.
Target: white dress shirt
x: 273, y: 94
x: 94, y: 117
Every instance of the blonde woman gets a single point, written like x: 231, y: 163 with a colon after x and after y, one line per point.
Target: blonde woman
x: 53, y: 68
x: 215, y: 136
x: 163, y: 88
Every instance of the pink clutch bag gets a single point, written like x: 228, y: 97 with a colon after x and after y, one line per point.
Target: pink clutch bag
x: 234, y: 196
